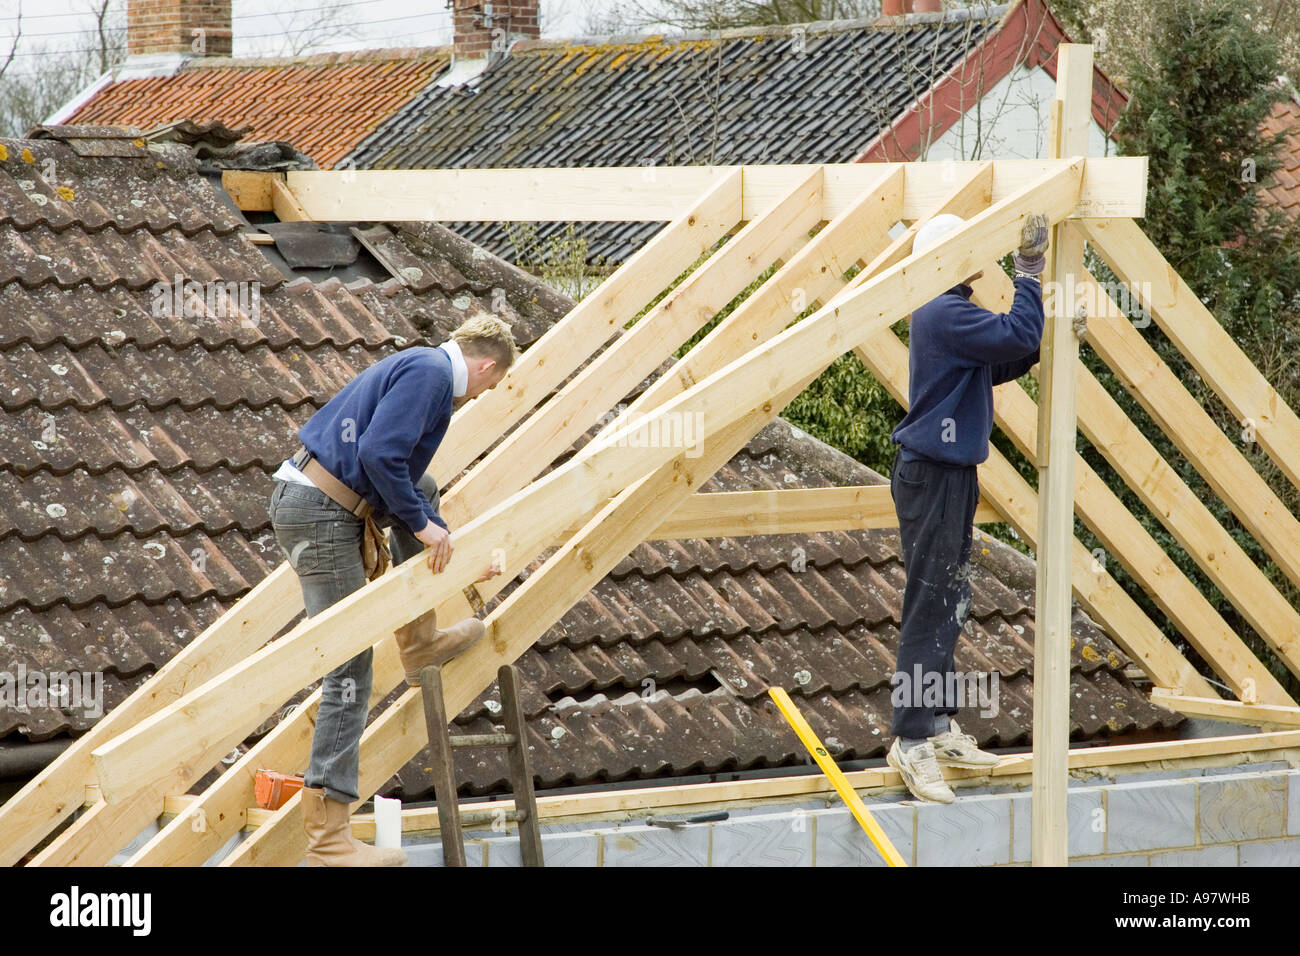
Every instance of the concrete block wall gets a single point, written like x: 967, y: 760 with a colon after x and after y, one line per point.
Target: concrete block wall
x: 1224, y: 817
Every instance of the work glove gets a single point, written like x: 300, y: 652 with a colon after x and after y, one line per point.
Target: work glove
x: 1030, y: 258
x: 1080, y: 322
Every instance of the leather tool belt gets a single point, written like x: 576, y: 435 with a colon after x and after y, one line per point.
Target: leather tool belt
x: 338, y: 492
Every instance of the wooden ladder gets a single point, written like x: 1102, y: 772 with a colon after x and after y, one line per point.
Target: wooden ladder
x: 442, y: 744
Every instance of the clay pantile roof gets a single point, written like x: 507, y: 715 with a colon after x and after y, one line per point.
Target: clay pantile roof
x: 1285, y: 192
x: 324, y: 104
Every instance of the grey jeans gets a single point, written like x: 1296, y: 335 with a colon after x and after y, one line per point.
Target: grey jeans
x: 322, y: 542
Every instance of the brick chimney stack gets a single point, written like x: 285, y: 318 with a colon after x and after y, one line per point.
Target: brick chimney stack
x: 194, y: 27
x: 486, y: 28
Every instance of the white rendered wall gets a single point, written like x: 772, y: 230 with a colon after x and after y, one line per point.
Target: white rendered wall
x: 1010, y: 122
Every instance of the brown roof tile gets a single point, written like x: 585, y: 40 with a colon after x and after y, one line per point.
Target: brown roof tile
x: 280, y: 101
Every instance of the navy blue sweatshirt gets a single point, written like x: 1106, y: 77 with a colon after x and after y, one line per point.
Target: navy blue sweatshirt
x: 379, y: 433
x: 957, y: 352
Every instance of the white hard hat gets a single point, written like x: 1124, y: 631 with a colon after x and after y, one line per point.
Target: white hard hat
x: 935, y: 229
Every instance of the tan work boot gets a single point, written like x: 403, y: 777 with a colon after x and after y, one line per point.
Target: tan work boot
x: 420, y: 644
x: 329, y: 835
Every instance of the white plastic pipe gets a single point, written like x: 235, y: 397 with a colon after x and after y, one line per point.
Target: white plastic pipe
x: 388, y: 822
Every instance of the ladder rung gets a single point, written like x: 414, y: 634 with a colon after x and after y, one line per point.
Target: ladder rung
x: 483, y: 740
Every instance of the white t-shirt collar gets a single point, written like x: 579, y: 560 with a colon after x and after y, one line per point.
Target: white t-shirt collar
x: 459, y: 370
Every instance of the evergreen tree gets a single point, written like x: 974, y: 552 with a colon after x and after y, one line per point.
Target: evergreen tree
x: 1199, y: 101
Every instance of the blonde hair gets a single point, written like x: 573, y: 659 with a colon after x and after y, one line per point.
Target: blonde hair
x: 485, y: 336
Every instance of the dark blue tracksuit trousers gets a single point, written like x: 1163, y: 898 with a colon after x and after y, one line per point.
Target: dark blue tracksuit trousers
x: 936, y: 509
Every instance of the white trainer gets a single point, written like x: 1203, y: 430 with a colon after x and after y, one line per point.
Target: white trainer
x: 952, y: 748
x: 920, y: 771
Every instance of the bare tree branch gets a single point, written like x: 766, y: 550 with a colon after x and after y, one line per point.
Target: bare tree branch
x: 13, y: 47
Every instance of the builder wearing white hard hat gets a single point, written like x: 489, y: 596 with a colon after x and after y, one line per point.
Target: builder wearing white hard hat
x: 957, y: 352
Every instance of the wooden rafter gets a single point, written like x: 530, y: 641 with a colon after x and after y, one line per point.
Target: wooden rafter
x: 1263, y: 715
x: 221, y: 712
x: 1193, y: 525
x: 639, y: 351
x: 1219, y: 360
x: 522, y: 618
x: 858, y: 233
x: 55, y: 793
x: 1185, y: 421
x: 591, y: 323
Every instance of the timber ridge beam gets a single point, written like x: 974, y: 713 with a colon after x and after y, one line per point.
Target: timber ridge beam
x: 1112, y: 187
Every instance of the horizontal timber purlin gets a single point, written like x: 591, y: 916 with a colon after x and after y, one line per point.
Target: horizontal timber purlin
x: 1220, y: 709
x: 248, y: 691
x: 1111, y: 187
x: 56, y: 792
x: 789, y: 511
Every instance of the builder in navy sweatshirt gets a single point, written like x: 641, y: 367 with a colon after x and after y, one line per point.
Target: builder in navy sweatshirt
x: 364, y: 457
x: 957, y: 353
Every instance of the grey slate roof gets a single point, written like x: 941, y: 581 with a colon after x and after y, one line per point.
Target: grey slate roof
x: 818, y: 93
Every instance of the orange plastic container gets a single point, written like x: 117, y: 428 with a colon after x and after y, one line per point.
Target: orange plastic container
x: 273, y: 789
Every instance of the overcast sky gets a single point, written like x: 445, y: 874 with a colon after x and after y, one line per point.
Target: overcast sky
x: 260, y: 26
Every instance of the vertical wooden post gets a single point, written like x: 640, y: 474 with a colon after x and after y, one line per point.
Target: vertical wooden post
x: 521, y: 773
x: 444, y: 771
x: 1071, y: 115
